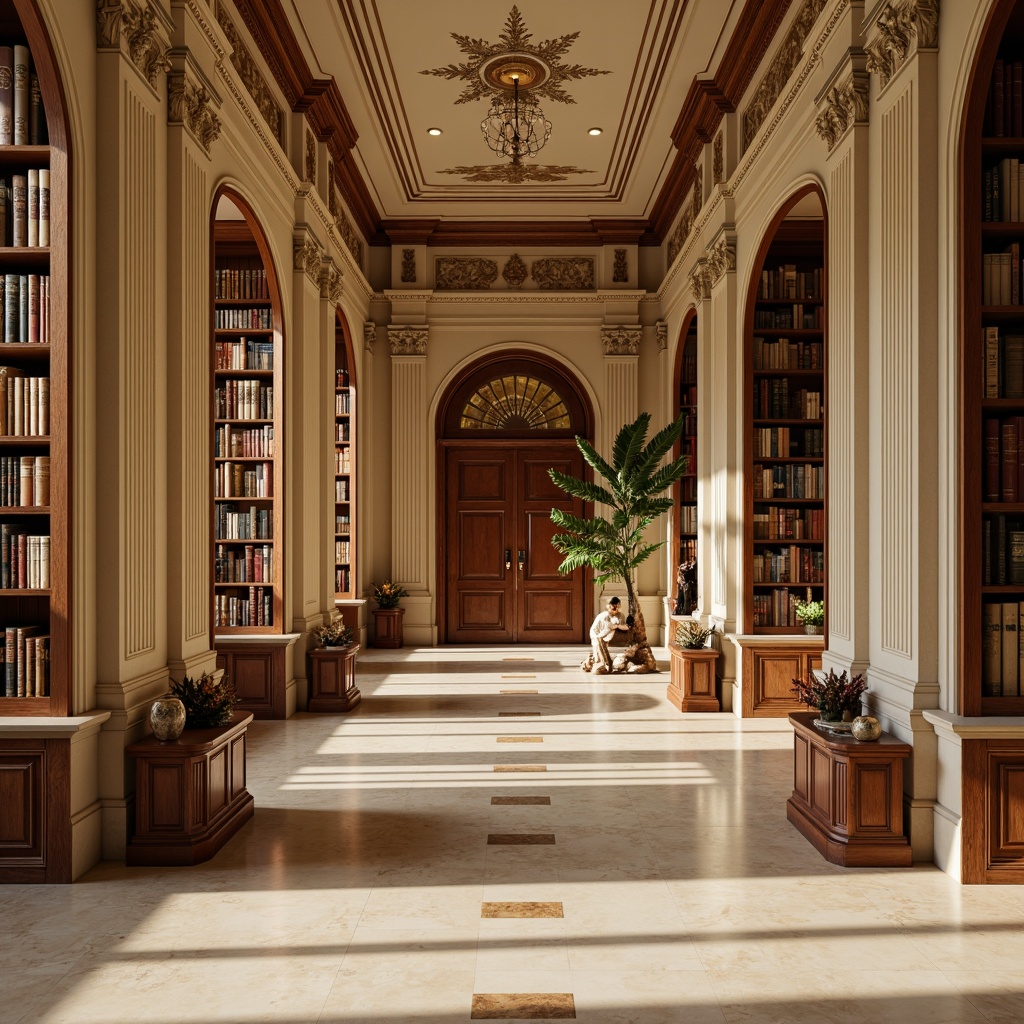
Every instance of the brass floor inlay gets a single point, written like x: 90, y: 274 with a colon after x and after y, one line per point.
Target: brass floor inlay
x: 521, y: 839
x: 519, y: 714
x: 520, y: 767
x: 519, y: 691
x: 510, y: 800
x: 523, y: 1006
x: 521, y: 910
x: 520, y: 675
x: 518, y: 658
x: 520, y: 739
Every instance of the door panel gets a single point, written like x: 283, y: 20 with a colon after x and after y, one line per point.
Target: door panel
x: 481, y: 545
x: 481, y: 610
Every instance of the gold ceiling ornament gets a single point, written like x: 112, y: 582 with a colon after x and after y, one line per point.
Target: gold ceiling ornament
x: 516, y: 173
x: 495, y: 67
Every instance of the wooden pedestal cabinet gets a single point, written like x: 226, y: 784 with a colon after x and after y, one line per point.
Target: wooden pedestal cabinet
x: 769, y: 667
x: 848, y: 796
x: 993, y: 811
x: 190, y: 795
x: 258, y: 670
x: 333, y: 679
x: 693, y: 684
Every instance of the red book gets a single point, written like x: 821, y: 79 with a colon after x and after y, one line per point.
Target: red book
x: 992, y: 489
x: 1010, y: 456
x: 1016, y: 105
x: 998, y: 95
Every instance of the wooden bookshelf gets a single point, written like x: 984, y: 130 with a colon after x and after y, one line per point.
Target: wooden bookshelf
x: 247, y: 477
x: 786, y: 432
x: 34, y: 450
x: 685, y: 540
x: 344, y: 473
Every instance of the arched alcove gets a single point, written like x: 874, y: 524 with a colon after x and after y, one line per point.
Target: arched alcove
x: 345, y: 460
x: 684, y: 545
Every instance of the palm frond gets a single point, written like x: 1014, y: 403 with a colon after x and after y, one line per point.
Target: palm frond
x: 645, y: 553
x: 660, y: 446
x: 628, y: 445
x: 596, y: 463
x: 582, y: 489
x: 668, y: 475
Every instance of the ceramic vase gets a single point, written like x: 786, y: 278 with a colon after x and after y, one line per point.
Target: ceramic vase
x: 167, y: 717
x: 866, y: 728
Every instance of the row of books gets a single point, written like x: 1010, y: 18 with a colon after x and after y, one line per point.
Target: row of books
x: 1000, y: 277
x: 342, y: 432
x: 1003, y: 466
x: 341, y: 377
x: 786, y: 282
x: 25, y: 301
x: 342, y: 549
x: 25, y: 209
x: 342, y: 523
x: 688, y: 395
x: 243, y: 354
x: 688, y: 486
x: 24, y: 404
x: 688, y: 518
x: 800, y: 317
x: 342, y: 460
x: 243, y: 442
x: 774, y: 400
x: 789, y: 481
x: 687, y: 549
x: 775, y: 523
x: 24, y: 481
x: 1003, y: 363
x: 788, y: 442
x: 243, y: 480
x: 342, y: 403
x: 1003, y: 113
x: 341, y: 489
x: 688, y: 371
x: 341, y: 580
x: 244, y: 400
x: 1002, y: 551
x: 690, y: 427
x: 22, y: 117
x: 784, y: 354
x: 252, y: 524
x: 240, y: 318
x: 777, y: 608
x: 240, y: 282
x: 252, y: 564
x: 1002, y: 185
x: 25, y: 655
x: 790, y: 565
x: 255, y: 610
x: 1001, y: 650
x: 24, y: 559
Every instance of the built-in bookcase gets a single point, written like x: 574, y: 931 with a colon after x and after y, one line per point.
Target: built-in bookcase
x: 992, y: 381
x: 344, y: 473
x: 34, y: 427
x: 246, y: 403
x: 786, y: 471
x: 686, y: 488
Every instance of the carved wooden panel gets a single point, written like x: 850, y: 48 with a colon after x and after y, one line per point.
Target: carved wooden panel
x: 482, y: 480
x: 258, y: 672
x: 768, y: 673
x: 21, y: 810
x: 992, y: 848
x: 874, y: 808
x: 333, y: 679
x: 482, y: 545
x: 801, y: 767
x: 166, y: 785
x: 548, y: 610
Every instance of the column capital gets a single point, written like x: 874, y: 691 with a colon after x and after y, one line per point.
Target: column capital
x: 407, y: 341
x: 619, y: 340
x: 843, y: 102
x: 897, y: 28
x: 192, y: 101
x: 661, y: 333
x: 307, y: 256
x: 139, y: 30
x: 721, y: 258
x: 700, y: 281
x: 330, y: 280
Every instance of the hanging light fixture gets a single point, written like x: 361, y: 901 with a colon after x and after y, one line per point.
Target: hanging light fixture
x: 515, y: 125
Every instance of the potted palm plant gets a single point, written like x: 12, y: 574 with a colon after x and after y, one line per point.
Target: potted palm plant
x: 693, y: 686
x: 387, y: 616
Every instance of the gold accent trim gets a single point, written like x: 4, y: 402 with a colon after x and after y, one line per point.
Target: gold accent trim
x: 515, y: 173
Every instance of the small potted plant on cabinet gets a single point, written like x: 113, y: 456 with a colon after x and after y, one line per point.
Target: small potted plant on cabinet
x: 387, y: 616
x: 812, y: 615
x: 693, y: 685
x: 333, y: 664
x: 837, y: 698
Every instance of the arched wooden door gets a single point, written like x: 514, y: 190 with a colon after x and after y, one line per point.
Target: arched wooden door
x: 503, y: 427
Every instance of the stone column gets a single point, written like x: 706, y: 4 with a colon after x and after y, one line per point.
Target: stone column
x: 133, y: 40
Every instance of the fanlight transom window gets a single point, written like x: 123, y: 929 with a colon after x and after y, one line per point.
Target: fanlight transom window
x: 515, y: 401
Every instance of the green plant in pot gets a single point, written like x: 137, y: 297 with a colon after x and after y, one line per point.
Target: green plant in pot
x: 836, y: 697
x: 333, y: 634
x: 692, y: 636
x: 209, y: 700
x: 812, y: 615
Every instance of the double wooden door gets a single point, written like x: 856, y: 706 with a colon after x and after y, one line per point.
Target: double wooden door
x: 502, y: 578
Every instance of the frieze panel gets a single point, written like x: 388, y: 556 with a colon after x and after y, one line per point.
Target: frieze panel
x: 621, y: 341
x: 352, y: 241
x: 464, y: 273
x: 620, y: 272
x: 718, y: 160
x: 894, y: 32
x: 310, y: 157
x: 408, y: 266
x: 572, y: 273
x: 515, y: 271
x: 408, y: 341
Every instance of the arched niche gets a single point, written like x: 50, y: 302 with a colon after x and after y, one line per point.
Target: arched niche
x: 345, y: 460
x: 685, y: 533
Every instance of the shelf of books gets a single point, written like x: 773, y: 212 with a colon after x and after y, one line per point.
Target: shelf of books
x: 33, y: 380
x: 246, y: 467
x: 344, y: 476
x: 686, y: 488
x: 993, y: 401
x: 786, y: 432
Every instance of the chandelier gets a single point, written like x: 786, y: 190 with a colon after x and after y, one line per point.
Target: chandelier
x: 515, y: 125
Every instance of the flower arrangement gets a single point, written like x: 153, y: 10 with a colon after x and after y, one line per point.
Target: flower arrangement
x: 333, y: 634
x: 388, y: 594
x: 692, y: 635
x: 831, y: 694
x: 209, y: 701
x: 811, y: 613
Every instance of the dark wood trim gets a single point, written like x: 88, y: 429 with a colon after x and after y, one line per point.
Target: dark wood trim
x: 512, y: 233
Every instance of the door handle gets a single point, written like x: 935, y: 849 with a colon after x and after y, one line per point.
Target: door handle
x: 522, y: 559
x: 508, y: 558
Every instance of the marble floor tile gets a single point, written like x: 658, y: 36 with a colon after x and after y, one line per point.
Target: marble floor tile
x: 514, y: 910
x: 523, y: 1006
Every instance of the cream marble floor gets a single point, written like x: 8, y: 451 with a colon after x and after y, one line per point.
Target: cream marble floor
x: 356, y: 892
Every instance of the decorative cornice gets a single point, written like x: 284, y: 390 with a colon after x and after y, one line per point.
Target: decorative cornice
x: 895, y: 30
x: 661, y: 333
x: 782, y: 66
x: 721, y: 258
x: 700, y: 282
x: 617, y: 340
x: 571, y: 273
x: 408, y: 341
x: 191, y: 104
x: 369, y: 335
x: 307, y: 256
x: 682, y: 231
x: 464, y: 273
x: 145, y: 38
x: 348, y: 233
x: 842, y: 106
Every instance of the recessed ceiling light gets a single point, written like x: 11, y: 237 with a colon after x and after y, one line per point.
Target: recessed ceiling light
x: 434, y: 131
x: 595, y: 131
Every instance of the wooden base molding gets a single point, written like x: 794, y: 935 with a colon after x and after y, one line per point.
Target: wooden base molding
x: 848, y: 796
x: 769, y: 667
x: 190, y: 795
x: 992, y: 848
x: 258, y: 668
x: 333, y: 679
x: 693, y: 685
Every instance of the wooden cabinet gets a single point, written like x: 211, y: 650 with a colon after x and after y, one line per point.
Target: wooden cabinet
x: 693, y: 683
x: 257, y: 666
x: 848, y: 796
x: 190, y: 794
x: 333, y: 679
x: 993, y: 811
x: 769, y: 668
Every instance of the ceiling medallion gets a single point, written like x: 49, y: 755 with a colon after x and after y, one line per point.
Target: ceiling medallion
x: 516, y: 173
